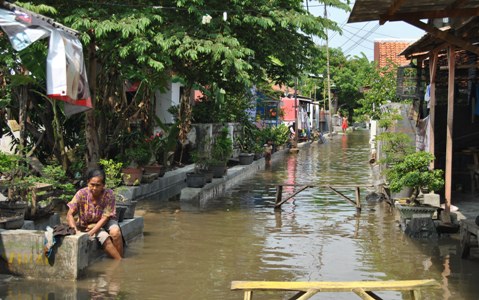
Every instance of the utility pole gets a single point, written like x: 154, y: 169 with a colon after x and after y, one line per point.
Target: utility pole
x: 330, y: 123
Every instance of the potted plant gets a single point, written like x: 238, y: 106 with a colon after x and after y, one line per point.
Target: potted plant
x: 413, y: 171
x: 13, y: 208
x: 156, y: 144
x: 45, y: 192
x: 113, y: 172
x: 280, y: 135
x: 221, y: 151
x: 137, y: 156
x: 246, y: 144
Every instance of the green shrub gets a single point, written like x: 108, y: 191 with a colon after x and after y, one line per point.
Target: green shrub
x: 413, y: 171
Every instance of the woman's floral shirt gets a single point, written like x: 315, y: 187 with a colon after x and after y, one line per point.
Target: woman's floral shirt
x: 88, y: 212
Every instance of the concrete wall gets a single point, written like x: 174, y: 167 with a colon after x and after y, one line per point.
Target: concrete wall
x: 22, y: 252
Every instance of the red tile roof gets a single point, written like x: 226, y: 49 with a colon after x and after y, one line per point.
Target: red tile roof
x: 388, y: 50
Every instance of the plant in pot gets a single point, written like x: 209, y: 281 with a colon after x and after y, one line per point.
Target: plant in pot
x: 125, y: 208
x: 200, y: 175
x: 201, y: 156
x: 414, y: 172
x: 221, y: 151
x: 137, y: 156
x: 13, y: 208
x: 47, y: 191
x: 246, y: 155
x: 156, y: 143
x: 280, y: 135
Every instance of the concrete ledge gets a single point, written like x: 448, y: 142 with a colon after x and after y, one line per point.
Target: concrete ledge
x: 21, y: 252
x: 171, y: 180
x: 233, y: 176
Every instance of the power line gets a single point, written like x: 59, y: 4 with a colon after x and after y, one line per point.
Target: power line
x: 353, y: 35
x: 362, y: 39
x: 385, y: 35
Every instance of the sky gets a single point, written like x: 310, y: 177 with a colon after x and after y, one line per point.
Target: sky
x: 358, y: 38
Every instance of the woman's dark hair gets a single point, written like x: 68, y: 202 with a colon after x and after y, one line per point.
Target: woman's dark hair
x: 96, y: 173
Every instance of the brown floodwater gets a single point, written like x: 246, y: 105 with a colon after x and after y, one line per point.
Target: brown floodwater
x: 193, y: 252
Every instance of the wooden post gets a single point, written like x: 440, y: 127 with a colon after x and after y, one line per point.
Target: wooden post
x: 279, y: 193
x: 449, y: 134
x: 358, y: 199
x: 432, y: 102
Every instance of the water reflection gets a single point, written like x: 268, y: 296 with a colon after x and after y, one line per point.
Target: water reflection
x: 194, y: 252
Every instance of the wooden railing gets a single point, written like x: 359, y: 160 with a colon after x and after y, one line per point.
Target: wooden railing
x: 363, y: 289
x: 357, y: 202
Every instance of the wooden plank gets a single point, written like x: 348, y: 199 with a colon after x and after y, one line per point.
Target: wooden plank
x: 342, y: 195
x: 338, y: 286
x: 391, y: 11
x: 310, y: 293
x: 443, y: 35
x: 376, y: 297
x: 291, y: 196
x: 325, y: 185
x: 431, y: 14
x: 416, y: 295
x: 362, y: 294
x: 248, y: 295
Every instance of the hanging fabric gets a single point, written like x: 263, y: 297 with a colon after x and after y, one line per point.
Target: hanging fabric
x: 66, y: 74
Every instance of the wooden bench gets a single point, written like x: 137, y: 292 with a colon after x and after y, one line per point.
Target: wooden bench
x: 469, y: 230
x: 361, y: 288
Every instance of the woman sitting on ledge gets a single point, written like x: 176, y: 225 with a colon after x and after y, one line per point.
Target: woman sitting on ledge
x: 95, y: 207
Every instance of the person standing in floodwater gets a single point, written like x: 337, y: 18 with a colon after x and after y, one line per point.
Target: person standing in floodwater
x: 344, y: 125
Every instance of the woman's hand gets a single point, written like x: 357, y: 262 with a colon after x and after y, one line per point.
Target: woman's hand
x: 91, y: 230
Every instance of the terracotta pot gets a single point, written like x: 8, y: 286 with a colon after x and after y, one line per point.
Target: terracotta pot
x: 153, y: 169
x: 132, y: 176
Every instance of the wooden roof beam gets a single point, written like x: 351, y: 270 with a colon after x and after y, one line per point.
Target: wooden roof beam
x: 433, y: 14
x: 456, y: 4
x: 391, y: 11
x: 445, y: 36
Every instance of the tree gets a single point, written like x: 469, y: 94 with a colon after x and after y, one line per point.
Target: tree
x: 380, y: 86
x: 142, y: 42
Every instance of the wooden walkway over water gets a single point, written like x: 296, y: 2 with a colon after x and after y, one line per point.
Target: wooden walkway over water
x: 335, y: 188
x: 363, y: 289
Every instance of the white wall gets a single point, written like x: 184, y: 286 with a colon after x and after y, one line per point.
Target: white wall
x: 167, y: 99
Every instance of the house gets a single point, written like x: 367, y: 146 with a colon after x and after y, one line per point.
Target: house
x: 446, y: 60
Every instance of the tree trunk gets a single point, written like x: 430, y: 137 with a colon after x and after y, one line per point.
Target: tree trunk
x: 91, y: 134
x: 185, y: 118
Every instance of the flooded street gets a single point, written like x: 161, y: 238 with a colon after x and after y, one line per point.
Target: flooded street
x: 192, y: 252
